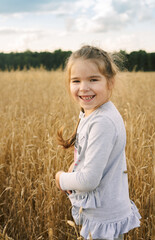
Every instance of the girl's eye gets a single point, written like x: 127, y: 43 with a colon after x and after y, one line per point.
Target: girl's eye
x: 93, y: 80
x: 75, y: 81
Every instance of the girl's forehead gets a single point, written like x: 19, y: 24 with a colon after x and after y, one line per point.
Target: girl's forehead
x: 83, y: 60
x: 86, y: 68
x: 84, y: 65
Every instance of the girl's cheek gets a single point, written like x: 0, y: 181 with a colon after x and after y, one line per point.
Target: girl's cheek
x: 73, y: 90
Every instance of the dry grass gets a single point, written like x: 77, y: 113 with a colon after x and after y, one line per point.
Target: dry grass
x: 33, y: 105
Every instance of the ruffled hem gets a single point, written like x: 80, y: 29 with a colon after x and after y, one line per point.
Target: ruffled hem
x: 110, y: 230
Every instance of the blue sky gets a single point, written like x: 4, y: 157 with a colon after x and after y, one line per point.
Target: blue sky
x: 46, y: 25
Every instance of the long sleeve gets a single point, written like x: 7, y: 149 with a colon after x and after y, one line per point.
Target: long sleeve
x: 101, y: 138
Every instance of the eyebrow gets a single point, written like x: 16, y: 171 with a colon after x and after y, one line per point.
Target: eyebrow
x: 93, y: 76
x: 74, y: 78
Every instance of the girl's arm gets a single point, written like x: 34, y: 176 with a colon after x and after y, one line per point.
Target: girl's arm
x: 100, y: 143
x: 57, y: 177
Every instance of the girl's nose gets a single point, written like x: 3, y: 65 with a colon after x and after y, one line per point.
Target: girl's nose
x: 84, y: 86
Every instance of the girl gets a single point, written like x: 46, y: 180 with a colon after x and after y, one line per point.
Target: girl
x: 97, y: 180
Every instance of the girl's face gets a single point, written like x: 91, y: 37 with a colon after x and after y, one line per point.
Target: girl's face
x: 88, y: 86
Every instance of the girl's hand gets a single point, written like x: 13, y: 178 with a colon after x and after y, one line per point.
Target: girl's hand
x: 57, y: 179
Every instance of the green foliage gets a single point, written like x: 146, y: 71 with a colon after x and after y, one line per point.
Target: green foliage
x: 134, y: 61
x: 28, y: 59
x: 139, y: 61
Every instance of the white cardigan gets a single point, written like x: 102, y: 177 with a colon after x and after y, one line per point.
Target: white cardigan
x: 99, y: 181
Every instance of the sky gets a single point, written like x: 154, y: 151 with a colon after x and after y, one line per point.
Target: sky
x: 47, y: 25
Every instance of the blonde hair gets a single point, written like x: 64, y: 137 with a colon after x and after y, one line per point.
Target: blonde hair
x: 106, y: 66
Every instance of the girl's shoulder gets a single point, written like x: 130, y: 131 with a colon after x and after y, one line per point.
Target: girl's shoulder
x: 106, y: 115
x: 107, y: 112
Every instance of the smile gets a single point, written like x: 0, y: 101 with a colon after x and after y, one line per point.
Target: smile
x: 87, y: 97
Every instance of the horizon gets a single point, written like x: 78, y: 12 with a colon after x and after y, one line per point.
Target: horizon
x: 28, y: 50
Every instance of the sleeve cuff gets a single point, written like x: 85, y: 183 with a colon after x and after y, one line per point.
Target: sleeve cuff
x: 61, y: 181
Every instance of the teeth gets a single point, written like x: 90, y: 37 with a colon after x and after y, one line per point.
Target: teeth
x: 86, y: 98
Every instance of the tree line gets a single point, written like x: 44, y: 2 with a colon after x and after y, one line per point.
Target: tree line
x: 134, y: 61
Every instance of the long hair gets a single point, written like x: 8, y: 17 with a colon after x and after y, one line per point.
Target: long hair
x: 106, y: 66
x: 67, y: 143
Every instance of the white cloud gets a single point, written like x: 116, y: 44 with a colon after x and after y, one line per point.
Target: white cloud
x: 8, y: 31
x: 70, y: 22
x: 57, y: 8
x: 69, y: 8
x: 103, y: 8
x: 84, y: 5
x: 109, y: 15
x: 19, y: 39
x: 92, y: 15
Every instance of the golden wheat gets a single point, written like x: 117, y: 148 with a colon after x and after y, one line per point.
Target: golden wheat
x: 33, y: 105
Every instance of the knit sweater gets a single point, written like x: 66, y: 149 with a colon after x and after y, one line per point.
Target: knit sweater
x: 99, y: 180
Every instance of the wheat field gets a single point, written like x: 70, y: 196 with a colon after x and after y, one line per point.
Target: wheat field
x: 33, y: 105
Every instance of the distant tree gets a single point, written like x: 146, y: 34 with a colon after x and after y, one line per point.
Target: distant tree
x: 139, y: 61
x: 151, y: 61
x: 2, y: 61
x: 134, y: 61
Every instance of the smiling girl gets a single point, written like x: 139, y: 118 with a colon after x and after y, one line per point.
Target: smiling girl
x: 97, y: 179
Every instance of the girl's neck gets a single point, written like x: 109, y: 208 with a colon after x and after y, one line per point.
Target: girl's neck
x: 87, y: 113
